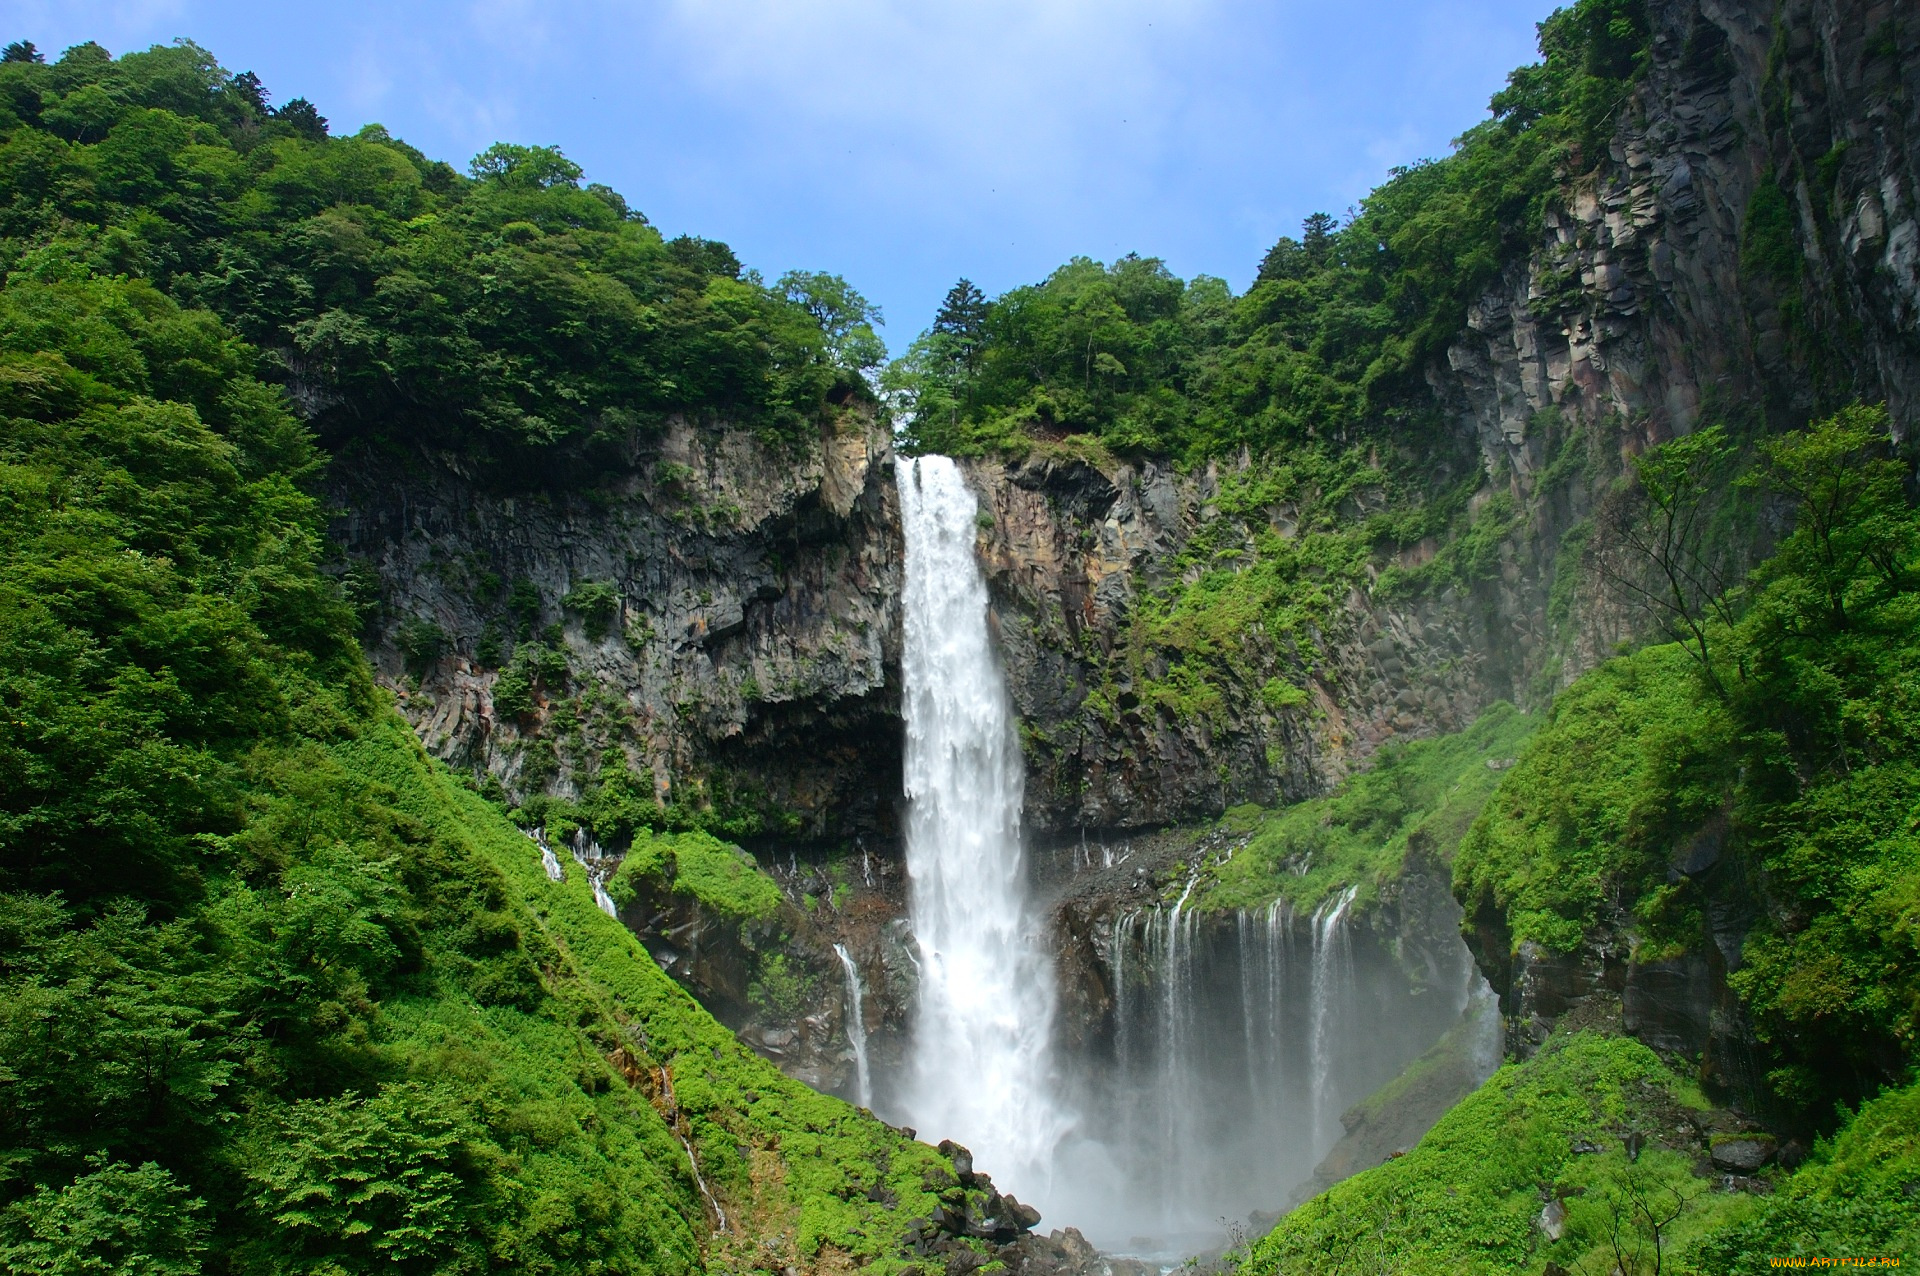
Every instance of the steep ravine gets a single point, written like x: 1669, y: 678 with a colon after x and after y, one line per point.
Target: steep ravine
x: 751, y: 668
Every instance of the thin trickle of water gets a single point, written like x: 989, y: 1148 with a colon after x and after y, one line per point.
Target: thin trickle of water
x: 1332, y: 970
x: 549, y: 862
x: 986, y: 1003
x: 598, y: 868
x: 856, y: 1029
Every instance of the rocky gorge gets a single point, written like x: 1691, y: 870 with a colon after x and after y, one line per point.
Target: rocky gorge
x: 720, y: 618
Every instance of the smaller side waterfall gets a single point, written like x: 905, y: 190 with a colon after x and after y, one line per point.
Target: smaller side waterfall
x: 588, y: 855
x: 1237, y: 1041
x: 856, y: 1029
x: 1332, y: 973
x: 549, y: 862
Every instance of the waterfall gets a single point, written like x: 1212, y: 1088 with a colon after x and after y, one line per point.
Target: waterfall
x: 1332, y: 970
x: 588, y: 855
x: 986, y: 999
x: 856, y: 1029
x: 549, y: 862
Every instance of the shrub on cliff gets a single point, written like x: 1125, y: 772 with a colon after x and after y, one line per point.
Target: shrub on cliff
x: 1787, y: 781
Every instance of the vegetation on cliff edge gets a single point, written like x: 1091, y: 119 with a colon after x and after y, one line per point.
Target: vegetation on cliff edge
x: 512, y: 312
x: 1785, y: 786
x: 1588, y: 1157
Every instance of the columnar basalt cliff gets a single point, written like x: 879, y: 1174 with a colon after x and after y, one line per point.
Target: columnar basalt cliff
x: 758, y: 592
x: 1655, y: 303
x: 741, y: 653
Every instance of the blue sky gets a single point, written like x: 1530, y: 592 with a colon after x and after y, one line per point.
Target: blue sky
x: 900, y: 143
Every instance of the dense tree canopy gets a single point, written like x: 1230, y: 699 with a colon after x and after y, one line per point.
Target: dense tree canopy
x: 1332, y: 337
x: 505, y: 310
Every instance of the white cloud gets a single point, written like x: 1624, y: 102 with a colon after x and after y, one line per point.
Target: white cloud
x: 986, y: 95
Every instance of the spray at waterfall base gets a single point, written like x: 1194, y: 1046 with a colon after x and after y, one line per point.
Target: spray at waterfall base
x: 1133, y: 1067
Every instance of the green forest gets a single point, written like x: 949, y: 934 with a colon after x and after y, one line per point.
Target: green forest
x: 276, y: 993
x: 279, y: 993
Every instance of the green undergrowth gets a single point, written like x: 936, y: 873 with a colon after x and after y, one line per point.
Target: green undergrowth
x: 721, y: 877
x: 1466, y: 1197
x: 1633, y: 755
x: 1854, y: 1197
x: 794, y: 1167
x: 278, y: 994
x: 1469, y: 1196
x: 1766, y: 765
x: 1416, y: 798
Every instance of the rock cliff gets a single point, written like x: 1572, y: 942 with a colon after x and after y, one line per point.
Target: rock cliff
x: 1748, y: 248
x: 725, y: 614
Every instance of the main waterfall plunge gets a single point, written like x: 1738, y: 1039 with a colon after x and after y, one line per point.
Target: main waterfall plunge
x: 985, y: 1018
x: 1224, y: 1050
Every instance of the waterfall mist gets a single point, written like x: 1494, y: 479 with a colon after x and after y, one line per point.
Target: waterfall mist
x: 1235, y: 1043
x: 1223, y: 1048
x: 978, y: 1070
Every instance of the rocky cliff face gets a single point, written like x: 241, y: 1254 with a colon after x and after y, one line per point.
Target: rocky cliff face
x: 758, y: 621
x: 1070, y: 553
x: 1749, y: 245
x: 727, y: 615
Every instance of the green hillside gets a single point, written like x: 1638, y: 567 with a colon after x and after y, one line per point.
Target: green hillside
x: 276, y: 993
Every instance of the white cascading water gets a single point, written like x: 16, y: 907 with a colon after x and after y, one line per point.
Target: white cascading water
x: 979, y: 1068
x: 856, y: 1029
x: 1332, y: 969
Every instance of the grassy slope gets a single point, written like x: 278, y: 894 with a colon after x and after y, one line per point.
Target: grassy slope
x: 1469, y: 1196
x: 792, y: 1168
x: 1420, y: 796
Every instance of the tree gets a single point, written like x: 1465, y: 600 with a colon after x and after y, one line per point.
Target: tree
x: 963, y: 317
x: 383, y: 1183
x: 1316, y: 237
x: 525, y: 167
x: 1661, y: 553
x: 844, y: 315
x: 1291, y: 258
x: 1637, y: 1207
x: 116, y: 1218
x: 21, y: 51
x: 1852, y: 525
x: 305, y: 119
x: 247, y: 87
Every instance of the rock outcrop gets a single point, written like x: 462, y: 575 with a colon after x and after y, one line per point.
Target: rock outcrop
x: 746, y: 658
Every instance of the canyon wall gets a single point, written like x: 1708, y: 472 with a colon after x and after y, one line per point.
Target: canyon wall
x: 745, y: 663
x: 1748, y: 249
x: 758, y: 631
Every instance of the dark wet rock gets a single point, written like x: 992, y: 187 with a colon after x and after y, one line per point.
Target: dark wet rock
x: 1700, y: 852
x: 1669, y: 1004
x: 961, y: 1158
x: 1065, y: 1252
x: 1742, y: 1155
